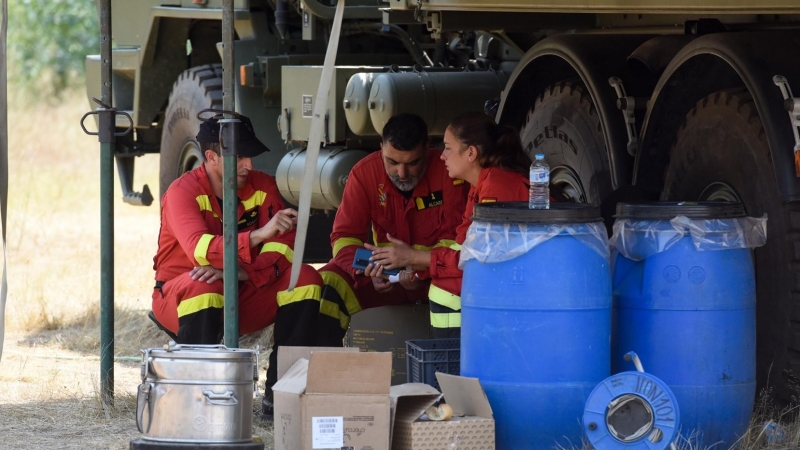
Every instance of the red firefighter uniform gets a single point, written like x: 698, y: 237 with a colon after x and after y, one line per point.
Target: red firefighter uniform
x: 191, y: 235
x: 494, y: 185
x: 426, y: 219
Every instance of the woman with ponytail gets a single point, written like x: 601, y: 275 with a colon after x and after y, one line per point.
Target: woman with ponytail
x: 491, y: 159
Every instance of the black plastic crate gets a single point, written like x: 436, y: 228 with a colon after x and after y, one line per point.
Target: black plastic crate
x: 425, y: 357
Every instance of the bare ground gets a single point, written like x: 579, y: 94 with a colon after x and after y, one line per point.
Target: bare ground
x: 50, y: 398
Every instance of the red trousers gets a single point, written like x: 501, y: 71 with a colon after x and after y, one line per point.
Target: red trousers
x: 193, y: 310
x: 257, y: 307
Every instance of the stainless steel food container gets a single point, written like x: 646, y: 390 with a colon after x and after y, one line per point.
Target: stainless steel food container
x: 197, y: 394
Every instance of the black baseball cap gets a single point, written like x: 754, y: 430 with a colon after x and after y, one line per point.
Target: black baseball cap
x: 249, y: 145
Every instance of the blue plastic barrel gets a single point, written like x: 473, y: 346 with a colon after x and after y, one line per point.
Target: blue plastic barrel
x: 689, y: 314
x: 536, y: 327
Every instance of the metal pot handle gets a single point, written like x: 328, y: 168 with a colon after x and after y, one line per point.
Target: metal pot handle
x: 226, y: 398
x: 143, y: 401
x: 145, y: 369
x: 172, y: 345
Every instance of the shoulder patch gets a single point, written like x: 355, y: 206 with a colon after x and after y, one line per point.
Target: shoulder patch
x: 381, y: 195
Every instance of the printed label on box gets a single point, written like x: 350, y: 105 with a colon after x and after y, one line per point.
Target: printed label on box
x: 327, y: 432
x: 308, y: 106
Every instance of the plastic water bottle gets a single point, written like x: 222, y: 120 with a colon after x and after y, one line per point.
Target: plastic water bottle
x: 540, y: 184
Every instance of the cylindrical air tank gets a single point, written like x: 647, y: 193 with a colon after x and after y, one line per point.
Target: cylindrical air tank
x: 437, y: 96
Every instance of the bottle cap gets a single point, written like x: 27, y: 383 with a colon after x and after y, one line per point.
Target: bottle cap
x: 540, y: 156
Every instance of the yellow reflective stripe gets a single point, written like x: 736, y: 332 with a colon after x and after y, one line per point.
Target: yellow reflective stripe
x: 444, y: 298
x: 455, y: 246
x: 343, y: 242
x: 300, y: 293
x: 199, y: 303
x: 427, y: 248
x: 331, y: 309
x: 349, y: 298
x: 446, y: 320
x: 449, y: 243
x: 283, y: 249
x: 257, y: 199
x: 201, y: 249
x: 203, y: 202
x: 375, y: 240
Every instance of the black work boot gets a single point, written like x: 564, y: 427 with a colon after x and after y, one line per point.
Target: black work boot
x: 268, y: 405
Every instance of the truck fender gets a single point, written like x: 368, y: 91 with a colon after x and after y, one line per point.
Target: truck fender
x: 593, y: 59
x: 721, y: 61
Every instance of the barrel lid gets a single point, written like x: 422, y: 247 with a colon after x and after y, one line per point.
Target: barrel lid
x: 668, y: 210
x: 631, y: 410
x: 518, y: 212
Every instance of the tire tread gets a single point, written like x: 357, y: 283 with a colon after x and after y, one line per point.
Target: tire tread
x: 677, y: 175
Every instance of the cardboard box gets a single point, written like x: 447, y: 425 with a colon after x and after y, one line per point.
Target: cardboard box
x: 287, y: 356
x: 334, y: 400
x: 472, y: 425
x: 386, y: 329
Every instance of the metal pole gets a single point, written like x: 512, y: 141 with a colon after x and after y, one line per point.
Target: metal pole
x: 3, y: 168
x: 230, y: 200
x: 106, y: 130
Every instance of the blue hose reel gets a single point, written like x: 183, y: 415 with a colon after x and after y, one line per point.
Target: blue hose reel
x: 631, y: 410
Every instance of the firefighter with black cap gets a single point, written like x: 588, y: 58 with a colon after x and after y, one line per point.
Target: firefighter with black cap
x: 188, y: 297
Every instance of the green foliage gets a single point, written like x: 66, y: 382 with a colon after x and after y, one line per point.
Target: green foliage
x: 48, y: 41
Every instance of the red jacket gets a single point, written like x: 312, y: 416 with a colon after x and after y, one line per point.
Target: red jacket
x: 494, y: 185
x: 371, y: 201
x: 191, y: 228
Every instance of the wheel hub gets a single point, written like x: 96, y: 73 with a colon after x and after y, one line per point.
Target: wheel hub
x: 719, y: 192
x: 569, y: 182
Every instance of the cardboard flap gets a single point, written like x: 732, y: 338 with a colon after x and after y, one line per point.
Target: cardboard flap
x: 287, y: 356
x: 465, y: 395
x: 349, y: 373
x: 410, y: 400
x: 294, y: 380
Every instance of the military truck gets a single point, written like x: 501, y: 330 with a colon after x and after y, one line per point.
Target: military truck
x: 641, y: 99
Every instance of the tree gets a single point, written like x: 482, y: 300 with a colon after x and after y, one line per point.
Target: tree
x: 48, y: 41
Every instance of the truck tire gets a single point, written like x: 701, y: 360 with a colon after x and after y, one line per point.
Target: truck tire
x: 196, y: 89
x: 721, y: 153
x: 564, y: 125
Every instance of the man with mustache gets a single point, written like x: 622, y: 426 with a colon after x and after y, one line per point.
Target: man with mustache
x: 188, y: 298
x: 400, y: 194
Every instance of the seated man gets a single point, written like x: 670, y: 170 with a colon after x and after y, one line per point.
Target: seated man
x: 401, y: 193
x: 188, y: 298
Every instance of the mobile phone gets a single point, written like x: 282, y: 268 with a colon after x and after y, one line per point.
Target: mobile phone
x: 361, y: 260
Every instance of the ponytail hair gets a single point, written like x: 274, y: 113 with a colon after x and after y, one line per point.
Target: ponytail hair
x: 498, y: 146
